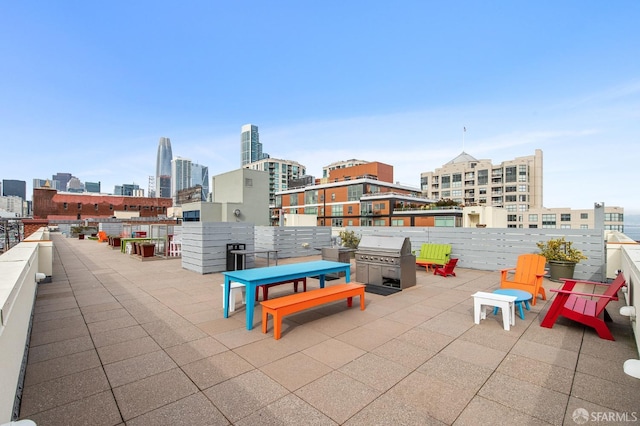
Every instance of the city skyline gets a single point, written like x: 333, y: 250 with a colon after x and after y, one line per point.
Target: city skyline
x: 397, y: 84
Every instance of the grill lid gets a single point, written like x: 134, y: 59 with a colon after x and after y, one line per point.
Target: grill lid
x: 379, y: 243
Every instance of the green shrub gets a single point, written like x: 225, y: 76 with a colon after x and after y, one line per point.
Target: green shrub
x: 349, y: 239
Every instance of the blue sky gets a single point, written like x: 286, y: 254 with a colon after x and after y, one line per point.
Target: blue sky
x: 89, y: 87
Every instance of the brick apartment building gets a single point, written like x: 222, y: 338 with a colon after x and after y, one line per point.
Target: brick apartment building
x: 53, y: 205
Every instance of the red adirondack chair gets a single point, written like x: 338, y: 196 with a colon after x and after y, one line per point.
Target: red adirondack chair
x: 581, y: 307
x: 447, y: 269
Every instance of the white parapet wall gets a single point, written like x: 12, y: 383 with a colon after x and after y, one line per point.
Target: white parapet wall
x: 20, y: 268
x: 630, y: 266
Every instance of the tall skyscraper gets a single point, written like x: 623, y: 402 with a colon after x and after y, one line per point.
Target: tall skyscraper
x: 17, y: 188
x: 200, y: 176
x: 250, y: 146
x: 63, y: 180
x: 163, y: 169
x: 180, y: 176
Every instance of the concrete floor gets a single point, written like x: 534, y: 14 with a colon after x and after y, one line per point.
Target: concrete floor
x: 120, y: 341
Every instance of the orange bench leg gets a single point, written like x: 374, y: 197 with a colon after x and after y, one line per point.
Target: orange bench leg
x: 277, y: 325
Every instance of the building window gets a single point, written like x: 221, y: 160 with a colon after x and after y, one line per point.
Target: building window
x: 349, y: 209
x: 483, y: 177
x: 445, y: 222
x: 191, y: 216
x: 311, y: 197
x: 378, y: 222
x: 95, y: 207
x: 532, y: 225
x: 397, y: 222
x: 350, y: 223
x: 613, y: 217
x: 533, y: 218
x: 510, y: 174
x: 548, y: 220
x: 510, y: 198
x: 584, y: 216
x: 446, y: 181
x: 293, y: 199
x: 565, y: 226
x: 522, y: 173
x: 457, y: 180
x: 522, y: 188
x: 354, y: 192
x: 110, y: 206
x: 79, y: 206
x: 584, y: 226
x: 336, y: 222
x: 336, y: 210
x: 64, y: 205
x: 512, y: 217
x: 565, y: 217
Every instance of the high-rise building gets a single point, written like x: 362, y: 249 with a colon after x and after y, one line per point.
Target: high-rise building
x: 92, y: 187
x: 62, y: 179
x: 200, y: 176
x: 280, y: 173
x: 180, y: 176
x: 515, y: 185
x: 130, y: 189
x: 163, y: 169
x: 17, y: 188
x: 250, y: 146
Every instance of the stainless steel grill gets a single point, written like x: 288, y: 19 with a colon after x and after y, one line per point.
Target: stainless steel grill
x: 386, y: 262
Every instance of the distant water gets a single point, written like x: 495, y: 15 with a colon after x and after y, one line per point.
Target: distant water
x: 632, y: 226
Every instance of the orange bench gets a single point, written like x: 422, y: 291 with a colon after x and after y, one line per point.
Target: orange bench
x: 287, y: 305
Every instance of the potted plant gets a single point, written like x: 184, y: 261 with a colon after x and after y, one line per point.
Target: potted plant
x: 561, y: 257
x: 147, y: 249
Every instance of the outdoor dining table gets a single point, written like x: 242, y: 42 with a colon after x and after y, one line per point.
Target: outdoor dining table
x: 252, y: 278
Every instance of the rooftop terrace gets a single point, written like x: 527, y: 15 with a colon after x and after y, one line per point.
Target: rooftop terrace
x: 119, y: 341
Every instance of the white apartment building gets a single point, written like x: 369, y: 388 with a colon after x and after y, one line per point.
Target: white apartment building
x: 280, y: 173
x: 566, y: 218
x: 515, y: 185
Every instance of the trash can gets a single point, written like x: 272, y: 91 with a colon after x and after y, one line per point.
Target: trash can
x: 231, y: 258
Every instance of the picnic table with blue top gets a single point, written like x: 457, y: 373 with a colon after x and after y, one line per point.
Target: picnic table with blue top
x: 252, y: 278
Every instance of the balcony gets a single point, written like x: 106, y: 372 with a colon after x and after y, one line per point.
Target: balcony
x: 118, y: 341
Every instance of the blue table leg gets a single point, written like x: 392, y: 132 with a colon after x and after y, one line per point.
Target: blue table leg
x: 347, y: 275
x: 251, y: 303
x: 225, y: 295
x: 520, y: 309
x: 321, y: 280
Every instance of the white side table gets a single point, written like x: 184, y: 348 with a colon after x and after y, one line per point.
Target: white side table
x: 481, y: 300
